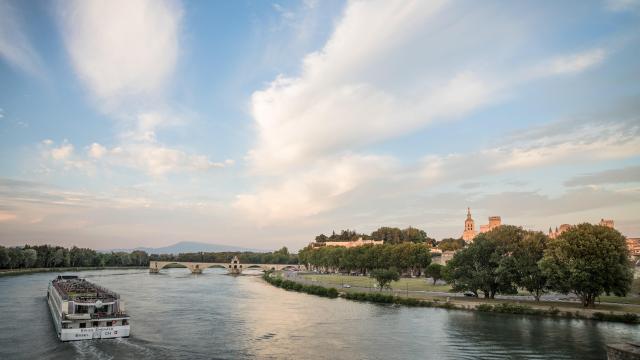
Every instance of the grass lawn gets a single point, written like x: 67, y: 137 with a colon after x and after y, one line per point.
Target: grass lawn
x: 422, y: 284
x: 412, y: 284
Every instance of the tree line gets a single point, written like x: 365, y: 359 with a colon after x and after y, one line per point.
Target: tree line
x: 390, y: 235
x: 587, y: 260
x: 49, y: 256
x: 408, y: 258
x: 281, y: 256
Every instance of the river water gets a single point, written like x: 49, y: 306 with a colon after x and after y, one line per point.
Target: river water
x: 216, y: 316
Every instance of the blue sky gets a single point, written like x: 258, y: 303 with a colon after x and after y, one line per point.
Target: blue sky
x: 262, y: 124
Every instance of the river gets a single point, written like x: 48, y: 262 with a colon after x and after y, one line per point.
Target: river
x: 216, y: 316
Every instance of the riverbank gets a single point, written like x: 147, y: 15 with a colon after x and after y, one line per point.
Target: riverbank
x: 15, y: 272
x: 608, y: 312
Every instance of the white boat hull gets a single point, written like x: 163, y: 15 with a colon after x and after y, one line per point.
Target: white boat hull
x: 105, y: 332
x: 110, y: 332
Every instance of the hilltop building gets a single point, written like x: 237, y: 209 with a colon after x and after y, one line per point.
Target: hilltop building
x: 470, y: 233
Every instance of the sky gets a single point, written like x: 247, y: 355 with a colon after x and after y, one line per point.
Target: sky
x: 263, y: 124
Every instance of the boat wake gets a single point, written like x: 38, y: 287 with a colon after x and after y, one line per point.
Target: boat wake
x: 89, y: 350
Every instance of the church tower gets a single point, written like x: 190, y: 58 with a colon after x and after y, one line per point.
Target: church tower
x: 469, y: 228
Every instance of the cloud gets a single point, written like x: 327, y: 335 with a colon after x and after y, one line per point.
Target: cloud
x: 573, y: 63
x: 15, y: 46
x: 361, y: 89
x: 539, y: 147
x: 122, y: 48
x: 97, y: 151
x: 320, y: 188
x: 6, y: 216
x: 63, y: 152
x: 628, y: 174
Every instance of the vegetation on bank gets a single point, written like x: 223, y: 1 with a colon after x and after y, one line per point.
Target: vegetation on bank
x: 587, y: 260
x: 49, y: 256
x: 390, y: 235
x: 296, y: 286
x: 408, y: 258
x: 12, y: 272
x: 502, y: 307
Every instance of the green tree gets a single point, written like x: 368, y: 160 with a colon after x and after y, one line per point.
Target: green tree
x: 414, y: 235
x: 388, y: 234
x: 435, y: 272
x: 30, y: 257
x: 451, y: 244
x: 384, y: 277
x: 5, y: 259
x: 588, y: 260
x: 524, y: 261
x: 480, y: 266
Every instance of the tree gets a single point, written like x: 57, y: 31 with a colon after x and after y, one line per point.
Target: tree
x: 588, y: 260
x: 384, y: 277
x: 413, y: 235
x: 480, y: 266
x: 30, y: 256
x: 5, y: 259
x: 388, y: 234
x: 525, y: 263
x: 451, y: 244
x: 435, y: 272
x: 321, y: 238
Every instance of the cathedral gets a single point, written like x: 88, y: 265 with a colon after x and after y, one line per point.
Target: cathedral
x: 470, y: 233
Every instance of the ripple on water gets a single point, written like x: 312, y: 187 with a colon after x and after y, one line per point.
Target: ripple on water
x: 180, y: 316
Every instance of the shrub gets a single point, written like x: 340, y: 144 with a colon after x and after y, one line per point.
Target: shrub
x: 484, y: 307
x: 626, y: 318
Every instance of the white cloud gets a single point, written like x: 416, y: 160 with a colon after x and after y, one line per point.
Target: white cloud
x: 15, y: 46
x: 63, y: 152
x: 576, y: 63
x: 550, y: 145
x: 122, y: 48
x: 97, y: 151
x: 320, y: 188
x: 361, y: 88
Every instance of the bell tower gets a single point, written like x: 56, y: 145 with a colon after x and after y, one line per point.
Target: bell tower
x: 469, y: 228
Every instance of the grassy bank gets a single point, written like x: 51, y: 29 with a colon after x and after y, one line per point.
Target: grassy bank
x: 410, y: 284
x: 13, y: 272
x: 422, y: 284
x: 296, y: 286
x: 604, y: 312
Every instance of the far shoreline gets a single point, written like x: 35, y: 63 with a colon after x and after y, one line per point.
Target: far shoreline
x: 16, y: 272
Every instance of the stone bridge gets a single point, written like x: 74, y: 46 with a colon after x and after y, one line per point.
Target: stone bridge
x: 234, y: 267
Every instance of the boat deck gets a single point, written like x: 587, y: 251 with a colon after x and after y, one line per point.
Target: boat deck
x: 80, y: 290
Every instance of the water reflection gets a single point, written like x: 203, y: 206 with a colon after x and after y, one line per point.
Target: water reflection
x: 213, y: 315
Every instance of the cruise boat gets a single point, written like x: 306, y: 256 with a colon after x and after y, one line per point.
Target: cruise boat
x: 82, y: 310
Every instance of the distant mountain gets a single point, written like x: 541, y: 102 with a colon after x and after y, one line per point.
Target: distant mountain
x: 188, y: 247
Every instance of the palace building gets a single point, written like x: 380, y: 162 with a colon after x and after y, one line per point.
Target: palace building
x: 564, y: 227
x: 470, y: 233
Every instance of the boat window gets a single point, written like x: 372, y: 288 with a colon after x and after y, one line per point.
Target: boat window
x: 65, y: 325
x: 95, y: 324
x: 125, y: 322
x: 109, y: 323
x: 83, y: 325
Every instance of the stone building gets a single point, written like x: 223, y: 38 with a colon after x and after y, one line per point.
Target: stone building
x: 469, y: 232
x: 564, y: 227
x: 469, y: 228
